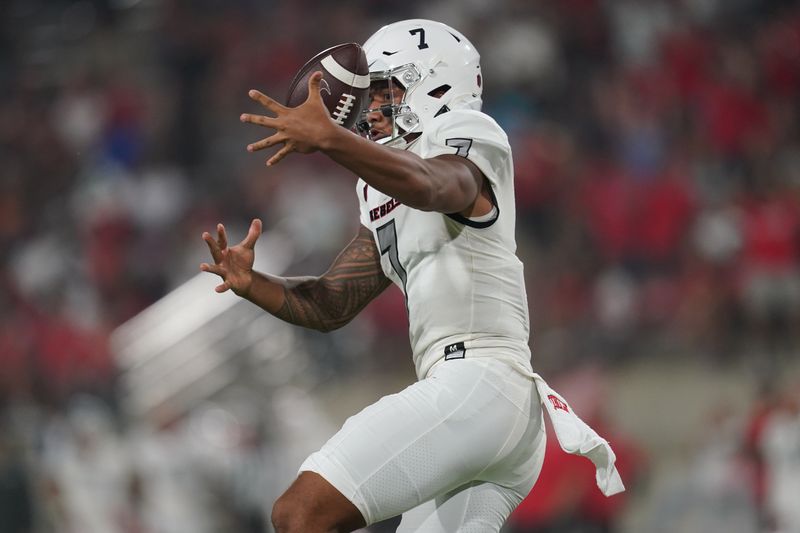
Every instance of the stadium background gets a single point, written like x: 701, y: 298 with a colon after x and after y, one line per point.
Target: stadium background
x: 657, y: 153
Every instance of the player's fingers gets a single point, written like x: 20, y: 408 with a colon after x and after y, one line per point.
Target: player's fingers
x: 265, y: 100
x: 213, y: 247
x: 313, y: 86
x: 212, y: 269
x: 272, y: 140
x: 222, y: 287
x: 222, y: 237
x: 261, y: 120
x: 283, y: 152
x: 252, y: 234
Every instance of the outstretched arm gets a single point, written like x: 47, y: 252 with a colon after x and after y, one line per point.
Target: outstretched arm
x: 448, y: 183
x: 324, y: 303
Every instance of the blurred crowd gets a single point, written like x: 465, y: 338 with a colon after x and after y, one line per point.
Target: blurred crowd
x: 657, y: 156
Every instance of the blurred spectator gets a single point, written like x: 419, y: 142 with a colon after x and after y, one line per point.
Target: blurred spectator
x: 710, y: 489
x: 87, y: 466
x: 780, y: 446
x: 767, y: 402
x: 769, y: 268
x: 16, y: 490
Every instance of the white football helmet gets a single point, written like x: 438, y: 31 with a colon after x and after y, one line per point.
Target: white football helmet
x: 437, y: 66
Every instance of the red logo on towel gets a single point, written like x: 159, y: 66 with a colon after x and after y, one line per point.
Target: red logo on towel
x: 558, y: 403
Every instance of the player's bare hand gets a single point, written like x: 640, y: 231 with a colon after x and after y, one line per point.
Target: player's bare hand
x: 233, y: 264
x: 303, y: 129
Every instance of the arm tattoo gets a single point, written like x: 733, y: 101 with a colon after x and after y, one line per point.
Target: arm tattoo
x: 330, y: 301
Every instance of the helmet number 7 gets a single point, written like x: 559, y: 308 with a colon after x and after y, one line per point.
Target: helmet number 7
x: 421, y: 31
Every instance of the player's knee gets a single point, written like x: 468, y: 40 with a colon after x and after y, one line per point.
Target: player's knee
x: 312, y: 505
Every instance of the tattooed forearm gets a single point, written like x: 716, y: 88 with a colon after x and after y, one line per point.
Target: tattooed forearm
x: 332, y: 300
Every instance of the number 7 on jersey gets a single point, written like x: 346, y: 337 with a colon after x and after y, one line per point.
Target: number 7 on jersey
x: 387, y: 242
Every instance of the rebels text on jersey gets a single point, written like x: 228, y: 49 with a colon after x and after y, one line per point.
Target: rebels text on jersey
x: 463, y: 283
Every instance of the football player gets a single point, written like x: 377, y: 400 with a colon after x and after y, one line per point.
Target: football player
x: 459, y: 449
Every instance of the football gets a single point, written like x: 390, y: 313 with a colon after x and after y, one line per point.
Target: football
x: 344, y: 86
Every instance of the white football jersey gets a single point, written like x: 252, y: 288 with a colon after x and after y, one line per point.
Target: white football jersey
x: 463, y: 283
